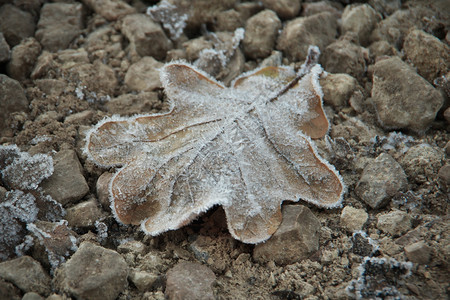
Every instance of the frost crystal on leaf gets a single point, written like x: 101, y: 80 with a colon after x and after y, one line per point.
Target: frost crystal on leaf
x: 247, y: 148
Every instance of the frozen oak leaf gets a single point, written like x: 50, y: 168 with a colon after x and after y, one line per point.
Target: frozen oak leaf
x: 246, y: 148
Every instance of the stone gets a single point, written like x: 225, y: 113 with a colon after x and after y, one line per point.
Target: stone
x: 338, y: 88
x: 189, y: 280
x: 135, y: 247
x: 144, y: 281
x: 8, y: 291
x: 428, y: 54
x: 312, y: 8
x: 285, y: 9
x: 59, y: 24
x: 84, y: 214
x: 132, y: 104
x: 94, y: 273
x: 98, y: 79
x: 353, y: 219
x: 228, y: 20
x: 298, y: 34
x: 363, y: 245
x: 195, y: 46
x: 32, y: 296
x: 447, y: 115
x: 395, y: 222
x: 447, y: 148
x: 15, y: 24
x: 385, y: 7
x: 5, y: 50
x: 81, y: 118
x: 360, y: 19
x: 296, y: 239
x: 23, y: 58
x: 402, y: 98
x: 419, y: 252
x: 111, y: 10
x: 444, y: 176
x: 381, y: 179
x: 27, y: 274
x: 261, y: 32
x: 146, y: 36
x: 67, y: 183
x: 12, y: 99
x: 422, y: 162
x: 144, y: 75
x: 382, y: 48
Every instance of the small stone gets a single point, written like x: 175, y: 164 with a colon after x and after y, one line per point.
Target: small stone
x: 386, y: 7
x: 93, y: 272
x: 15, y: 24
x: 402, y: 98
x: 395, y: 222
x: 422, y: 162
x: 429, y: 55
x: 55, y: 297
x: 144, y: 281
x: 362, y: 245
x: 261, y: 32
x: 228, y: 20
x: 23, y: 58
x: 353, y: 219
x: 312, y: 8
x: 146, y: 36
x: 111, y: 10
x: 381, y: 180
x: 319, y: 30
x: 8, y: 291
x: 285, y: 9
x: 98, y: 78
x: 27, y: 274
x: 195, y: 46
x: 103, y: 190
x: 361, y: 19
x: 144, y: 75
x: 81, y: 118
x: 338, y: 88
x: 32, y: 296
x: 296, y: 239
x: 418, y: 252
x: 382, y: 48
x: 189, y: 280
x: 51, y: 86
x: 12, y: 99
x: 67, y: 183
x: 85, y: 214
x: 5, y: 51
x: 444, y: 176
x: 59, y: 24
x: 135, y: 247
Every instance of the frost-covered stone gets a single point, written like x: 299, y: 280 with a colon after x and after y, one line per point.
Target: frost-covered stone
x: 395, y: 222
x: 353, y: 219
x: 23, y: 58
x: 422, y: 162
x: 419, y: 252
x: 171, y: 17
x: 5, y: 51
x: 15, y: 24
x: 319, y: 30
x: 144, y: 75
x: 59, y: 24
x: 27, y: 274
x: 296, y: 239
x: 261, y: 32
x: 189, y: 280
x: 361, y: 19
x: 93, y: 272
x: 338, y: 88
x: 380, y: 181
x: 402, y: 98
x: 285, y: 9
x: 84, y: 214
x: 12, y: 99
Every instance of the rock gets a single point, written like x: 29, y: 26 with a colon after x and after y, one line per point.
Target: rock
x: 381, y: 180
x: 85, y: 214
x: 444, y: 176
x: 353, y: 219
x: 27, y: 274
x: 32, y: 296
x: 418, y: 252
x: 146, y: 36
x: 144, y: 281
x: 309, y: 9
x: 298, y: 34
x: 23, y: 58
x: 67, y: 183
x: 9, y: 291
x: 429, y: 55
x: 111, y: 10
x: 395, y: 222
x: 81, y: 118
x: 386, y: 7
x: 285, y: 9
x: 195, y: 46
x: 12, y: 99
x: 345, y: 56
x: 5, y: 51
x: 360, y: 19
x: 447, y: 115
x: 59, y: 24
x: 296, y: 239
x: 135, y: 247
x: 132, y: 104
x: 261, y: 32
x: 402, y: 98
x: 15, y: 24
x: 275, y: 59
x: 228, y: 20
x: 381, y: 48
x: 144, y: 75
x: 189, y: 280
x: 96, y: 81
x: 422, y: 162
x: 338, y: 88
x: 363, y: 245
x: 93, y: 272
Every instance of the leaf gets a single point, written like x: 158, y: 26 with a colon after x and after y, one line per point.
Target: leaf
x: 246, y: 148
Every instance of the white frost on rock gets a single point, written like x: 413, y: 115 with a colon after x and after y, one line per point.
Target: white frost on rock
x: 171, y: 17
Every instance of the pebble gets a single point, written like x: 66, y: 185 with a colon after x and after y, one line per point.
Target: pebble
x: 82, y: 118
x: 444, y: 176
x: 84, y: 214
x: 428, y: 54
x: 312, y: 8
x: 12, y: 99
x: 144, y: 75
x: 353, y: 219
x: 5, y: 50
x: 363, y: 245
x: 94, y: 273
x: 27, y: 274
x: 380, y: 181
x: 23, y: 58
x: 97, y: 80
x: 402, y: 98
x: 228, y: 20
x: 285, y: 9
x: 32, y: 296
x: 15, y: 24
x: 67, y: 183
x: 418, y: 252
x: 146, y: 36
x: 135, y: 247
x: 144, y: 281
x: 361, y: 19
x: 382, y: 48
x: 338, y: 88
x: 422, y: 162
x: 111, y: 10
x: 395, y: 222
x: 296, y: 239
x: 189, y: 280
x: 59, y: 24
x: 9, y: 291
x: 319, y: 30
x: 261, y: 32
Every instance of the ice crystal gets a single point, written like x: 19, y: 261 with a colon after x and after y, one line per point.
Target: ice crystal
x: 247, y: 148
x: 171, y: 17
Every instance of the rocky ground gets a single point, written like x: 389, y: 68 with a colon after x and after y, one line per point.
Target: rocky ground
x: 65, y: 65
